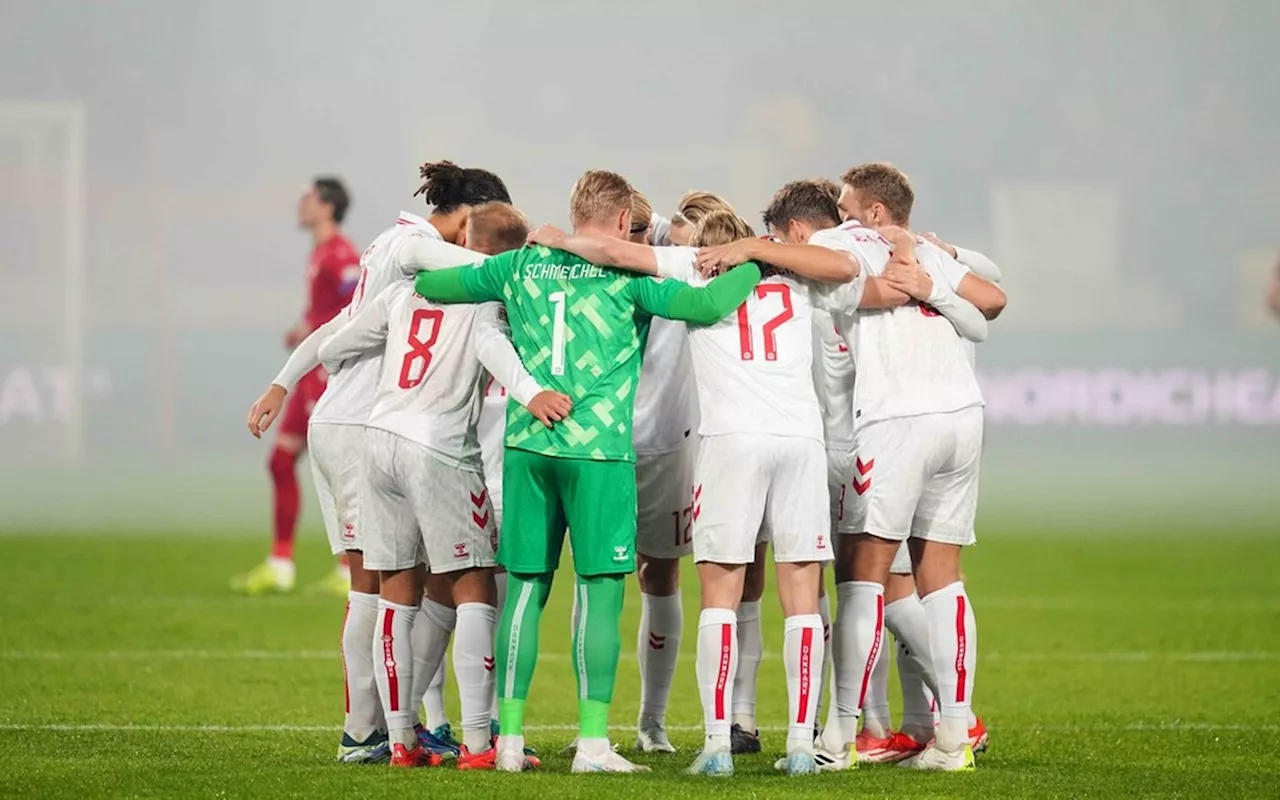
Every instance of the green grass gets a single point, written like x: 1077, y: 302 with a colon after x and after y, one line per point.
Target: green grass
x: 1135, y: 664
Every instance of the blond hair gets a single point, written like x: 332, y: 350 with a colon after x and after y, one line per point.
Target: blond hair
x: 495, y: 228
x: 598, y: 195
x: 883, y: 183
x: 641, y: 212
x: 720, y: 227
x: 696, y: 205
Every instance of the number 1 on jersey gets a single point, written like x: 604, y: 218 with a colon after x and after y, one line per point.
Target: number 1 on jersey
x: 557, y: 333
x: 746, y: 336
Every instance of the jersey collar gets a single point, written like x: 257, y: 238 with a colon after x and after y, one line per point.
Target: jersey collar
x: 409, y: 218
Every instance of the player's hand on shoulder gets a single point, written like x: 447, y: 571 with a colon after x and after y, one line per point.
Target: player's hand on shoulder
x: 714, y: 260
x: 550, y: 407
x: 265, y: 409
x: 933, y: 237
x: 909, y: 277
x: 547, y: 236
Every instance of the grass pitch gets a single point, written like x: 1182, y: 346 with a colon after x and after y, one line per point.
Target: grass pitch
x: 1133, y: 664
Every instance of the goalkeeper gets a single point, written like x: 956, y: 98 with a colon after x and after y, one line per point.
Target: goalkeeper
x: 580, y: 329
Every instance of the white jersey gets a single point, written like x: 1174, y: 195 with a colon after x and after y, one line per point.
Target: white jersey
x: 754, y: 369
x: 432, y: 382
x: 833, y: 378
x: 666, y: 401
x: 492, y: 429
x: 909, y: 360
x: 348, y: 397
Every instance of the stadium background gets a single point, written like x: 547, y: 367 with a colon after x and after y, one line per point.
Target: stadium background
x: 1116, y: 159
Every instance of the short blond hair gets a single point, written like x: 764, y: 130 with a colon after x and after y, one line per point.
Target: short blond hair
x: 882, y: 182
x: 495, y: 228
x: 641, y: 212
x: 720, y: 227
x: 697, y: 205
x: 598, y: 195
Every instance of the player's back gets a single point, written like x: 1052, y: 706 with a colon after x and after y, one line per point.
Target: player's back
x: 431, y: 383
x: 833, y: 378
x: 666, y: 404
x: 909, y: 359
x: 579, y: 331
x: 348, y: 397
x: 754, y: 368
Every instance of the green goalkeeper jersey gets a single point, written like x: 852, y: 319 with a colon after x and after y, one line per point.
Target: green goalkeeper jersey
x: 581, y: 329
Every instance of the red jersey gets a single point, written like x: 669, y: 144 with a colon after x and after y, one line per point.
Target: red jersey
x: 332, y: 274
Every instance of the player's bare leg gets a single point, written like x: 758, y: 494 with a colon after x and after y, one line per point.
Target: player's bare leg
x: 717, y: 662
x: 746, y: 739
x: 953, y: 650
x: 803, y: 646
x: 862, y: 567
x: 363, y: 735
x: 433, y: 627
x: 657, y: 647
x: 398, y: 602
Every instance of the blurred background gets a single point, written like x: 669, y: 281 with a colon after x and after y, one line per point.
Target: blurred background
x: 1118, y: 160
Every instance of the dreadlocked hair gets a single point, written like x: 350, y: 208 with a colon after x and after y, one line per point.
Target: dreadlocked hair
x: 447, y: 187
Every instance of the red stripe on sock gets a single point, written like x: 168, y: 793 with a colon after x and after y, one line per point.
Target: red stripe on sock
x: 722, y: 677
x: 875, y: 651
x: 806, y: 658
x: 961, y: 645
x: 389, y: 659
x: 346, y: 684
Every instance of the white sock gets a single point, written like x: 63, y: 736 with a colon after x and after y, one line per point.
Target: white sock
x: 364, y: 711
x: 750, y: 650
x: 824, y: 611
x: 658, y: 650
x: 499, y: 578
x: 431, y: 634
x: 860, y: 620
x: 875, y: 707
x: 953, y: 647
x: 283, y: 568
x: 473, y: 663
x: 802, y: 650
x: 906, y: 620
x: 392, y: 649
x: 717, y: 662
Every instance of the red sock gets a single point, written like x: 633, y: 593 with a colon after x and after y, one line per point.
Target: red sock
x: 286, y: 501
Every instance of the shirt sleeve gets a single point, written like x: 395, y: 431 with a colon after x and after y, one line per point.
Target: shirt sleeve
x: 680, y: 263
x: 942, y: 265
x: 963, y: 315
x: 358, y: 335
x: 981, y: 266
x: 422, y: 252
x: 477, y: 284
x: 306, y: 356
x: 705, y: 305
x: 836, y: 298
x: 498, y: 355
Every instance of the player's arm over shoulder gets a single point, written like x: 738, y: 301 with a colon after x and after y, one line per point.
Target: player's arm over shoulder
x: 419, y: 251
x: 479, y: 283
x: 364, y: 332
x: 704, y: 305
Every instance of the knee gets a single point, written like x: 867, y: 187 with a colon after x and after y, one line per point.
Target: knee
x: 281, y: 464
x: 658, y: 576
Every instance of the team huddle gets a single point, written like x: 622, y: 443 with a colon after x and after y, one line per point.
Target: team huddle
x: 652, y: 388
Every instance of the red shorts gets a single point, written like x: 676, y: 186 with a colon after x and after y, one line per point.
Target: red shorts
x: 303, y: 398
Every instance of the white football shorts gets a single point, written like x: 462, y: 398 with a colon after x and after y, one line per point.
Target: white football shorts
x: 757, y: 487
x: 419, y: 509
x: 337, y: 464
x: 664, y: 502
x: 910, y: 477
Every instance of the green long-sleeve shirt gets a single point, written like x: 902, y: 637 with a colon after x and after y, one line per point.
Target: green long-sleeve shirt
x: 581, y: 329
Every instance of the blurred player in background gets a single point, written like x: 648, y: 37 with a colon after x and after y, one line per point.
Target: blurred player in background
x: 336, y: 435
x: 581, y: 473
x: 333, y: 270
